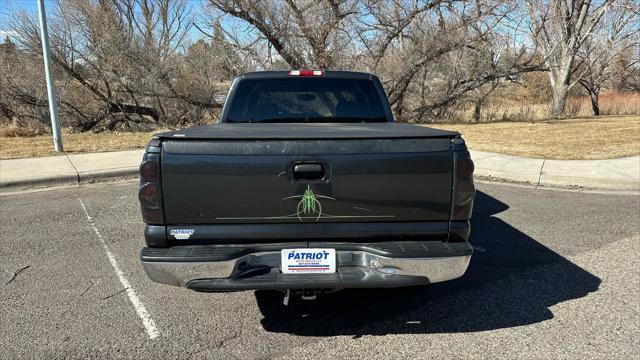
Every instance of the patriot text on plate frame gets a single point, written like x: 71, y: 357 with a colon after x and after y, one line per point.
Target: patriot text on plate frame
x: 308, y: 261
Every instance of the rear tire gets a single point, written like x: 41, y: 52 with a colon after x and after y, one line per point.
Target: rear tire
x: 270, y: 305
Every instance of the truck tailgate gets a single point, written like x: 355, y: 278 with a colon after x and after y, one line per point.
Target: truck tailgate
x: 324, y: 180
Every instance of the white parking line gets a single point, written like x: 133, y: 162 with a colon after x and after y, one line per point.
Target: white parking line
x: 147, y: 321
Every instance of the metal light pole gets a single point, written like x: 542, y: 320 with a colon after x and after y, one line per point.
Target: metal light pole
x: 51, y: 85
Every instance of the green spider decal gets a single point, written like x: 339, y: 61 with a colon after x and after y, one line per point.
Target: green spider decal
x: 309, y: 204
x: 309, y: 207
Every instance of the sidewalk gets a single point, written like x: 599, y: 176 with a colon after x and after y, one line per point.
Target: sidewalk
x: 19, y: 174
x: 610, y: 174
x: 613, y: 174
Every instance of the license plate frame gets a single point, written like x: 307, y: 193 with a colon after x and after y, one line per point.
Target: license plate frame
x: 307, y: 261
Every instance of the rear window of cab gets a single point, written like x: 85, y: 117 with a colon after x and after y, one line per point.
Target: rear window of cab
x: 305, y: 99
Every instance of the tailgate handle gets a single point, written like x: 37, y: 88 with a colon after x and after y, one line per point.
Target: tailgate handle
x: 308, y: 171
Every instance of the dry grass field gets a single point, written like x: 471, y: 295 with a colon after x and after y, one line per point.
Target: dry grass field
x: 514, y: 107
x: 602, y: 137
x: 579, y: 138
x: 42, y: 145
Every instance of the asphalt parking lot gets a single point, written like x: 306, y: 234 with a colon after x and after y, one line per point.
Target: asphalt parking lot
x: 555, y: 274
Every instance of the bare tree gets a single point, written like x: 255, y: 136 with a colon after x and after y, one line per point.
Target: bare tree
x: 23, y: 97
x: 452, y: 51
x: 123, y: 62
x: 429, y: 53
x: 560, y: 28
x: 385, y: 24
x: 625, y: 71
x: 303, y: 33
x: 616, y: 34
x: 136, y: 63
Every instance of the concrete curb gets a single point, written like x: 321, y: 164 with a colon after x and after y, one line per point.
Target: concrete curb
x: 36, y: 182
x: 69, y: 170
x: 92, y: 176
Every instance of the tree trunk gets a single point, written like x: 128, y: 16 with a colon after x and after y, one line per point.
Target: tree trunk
x: 397, y: 111
x: 560, y: 79
x: 595, y: 105
x: 560, y: 92
x: 477, y: 110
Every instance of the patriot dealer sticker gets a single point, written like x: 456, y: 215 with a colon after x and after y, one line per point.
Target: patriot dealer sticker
x: 308, y: 261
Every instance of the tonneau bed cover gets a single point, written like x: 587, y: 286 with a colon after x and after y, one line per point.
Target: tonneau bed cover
x: 299, y: 131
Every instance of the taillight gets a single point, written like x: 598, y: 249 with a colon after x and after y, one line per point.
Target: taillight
x: 306, y: 73
x: 464, y: 190
x: 464, y: 167
x: 148, y: 171
x: 149, y: 192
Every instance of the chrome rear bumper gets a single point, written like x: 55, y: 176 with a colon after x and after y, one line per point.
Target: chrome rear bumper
x: 355, y: 268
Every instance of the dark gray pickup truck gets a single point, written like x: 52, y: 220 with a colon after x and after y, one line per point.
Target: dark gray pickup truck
x: 307, y: 185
